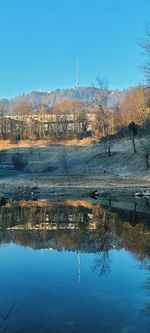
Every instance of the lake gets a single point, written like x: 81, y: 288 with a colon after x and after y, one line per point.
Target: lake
x: 75, y: 266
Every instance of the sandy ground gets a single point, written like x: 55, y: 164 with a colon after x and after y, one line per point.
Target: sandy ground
x: 75, y: 170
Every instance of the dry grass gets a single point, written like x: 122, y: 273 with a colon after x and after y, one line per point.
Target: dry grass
x: 7, y: 144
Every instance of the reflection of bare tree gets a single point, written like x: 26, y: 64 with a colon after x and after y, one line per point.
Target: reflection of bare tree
x: 105, y: 240
x: 142, y: 254
x: 146, y: 310
x: 5, y: 319
x: 102, y: 263
x: 134, y: 215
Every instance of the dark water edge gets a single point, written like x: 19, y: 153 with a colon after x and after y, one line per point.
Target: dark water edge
x: 75, y: 266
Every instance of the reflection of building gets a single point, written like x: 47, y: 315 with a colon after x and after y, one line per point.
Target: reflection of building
x: 51, y: 226
x: 83, y: 228
x: 46, y: 218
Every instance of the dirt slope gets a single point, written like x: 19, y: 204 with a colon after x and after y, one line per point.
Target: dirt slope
x: 57, y: 166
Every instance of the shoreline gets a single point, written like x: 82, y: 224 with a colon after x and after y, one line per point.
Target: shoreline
x: 36, y: 187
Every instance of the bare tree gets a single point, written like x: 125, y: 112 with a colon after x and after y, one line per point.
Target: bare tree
x: 104, y: 91
x: 100, y: 123
x: 22, y: 110
x: 133, y: 129
x: 42, y: 112
x: 145, y: 150
x: 145, y: 45
x: 104, y: 118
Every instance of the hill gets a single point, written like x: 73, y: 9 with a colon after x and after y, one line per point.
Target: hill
x: 89, y: 94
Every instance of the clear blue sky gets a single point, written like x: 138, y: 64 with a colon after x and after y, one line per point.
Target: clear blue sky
x: 41, y: 39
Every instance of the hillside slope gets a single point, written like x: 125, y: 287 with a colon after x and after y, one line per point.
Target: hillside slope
x: 61, y: 166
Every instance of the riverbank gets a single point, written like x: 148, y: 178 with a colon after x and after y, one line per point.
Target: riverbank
x: 72, y: 171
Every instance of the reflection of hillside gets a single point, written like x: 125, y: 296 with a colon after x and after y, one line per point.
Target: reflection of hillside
x: 75, y: 226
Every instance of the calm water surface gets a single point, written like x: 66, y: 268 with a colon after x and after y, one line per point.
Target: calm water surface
x: 74, y: 267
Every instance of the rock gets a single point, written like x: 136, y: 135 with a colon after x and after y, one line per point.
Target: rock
x: 93, y: 194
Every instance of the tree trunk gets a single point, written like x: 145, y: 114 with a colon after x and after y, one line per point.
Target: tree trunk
x: 108, y: 145
x: 147, y: 163
x: 134, y: 147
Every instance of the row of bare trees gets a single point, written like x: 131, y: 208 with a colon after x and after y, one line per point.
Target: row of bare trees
x: 66, y: 120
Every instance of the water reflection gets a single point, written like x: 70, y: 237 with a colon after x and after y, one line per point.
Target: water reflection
x: 5, y: 319
x: 107, y: 240
x: 72, y: 225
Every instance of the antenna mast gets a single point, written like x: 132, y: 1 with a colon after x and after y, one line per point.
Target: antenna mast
x: 79, y: 267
